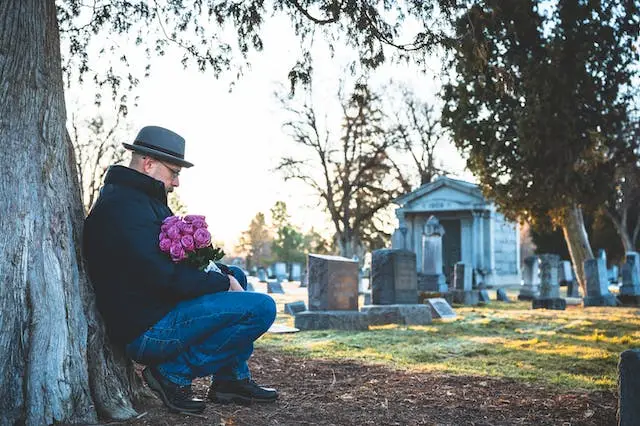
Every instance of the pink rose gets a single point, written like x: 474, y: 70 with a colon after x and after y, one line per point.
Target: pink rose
x: 190, y: 218
x: 173, y: 232
x: 197, y: 224
x: 177, y: 252
x: 162, y: 236
x: 186, y: 228
x: 170, y: 220
x: 187, y: 242
x: 202, y: 238
x: 165, y: 245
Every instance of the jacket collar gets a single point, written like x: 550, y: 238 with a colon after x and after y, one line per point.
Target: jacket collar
x: 125, y: 176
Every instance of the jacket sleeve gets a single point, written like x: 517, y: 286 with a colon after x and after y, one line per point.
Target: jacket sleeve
x: 137, y: 230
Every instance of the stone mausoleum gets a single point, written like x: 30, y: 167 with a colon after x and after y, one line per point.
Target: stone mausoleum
x: 474, y: 231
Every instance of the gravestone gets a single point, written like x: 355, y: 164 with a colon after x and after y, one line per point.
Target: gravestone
x: 629, y: 388
x: 280, y: 271
x: 554, y: 303
x: 483, y: 296
x: 296, y: 272
x: 602, y: 254
x: 249, y: 287
x: 573, y: 289
x: 262, y: 275
x: 440, y: 309
x: 467, y: 298
x: 294, y: 308
x: 549, y: 297
x: 414, y: 314
x: 612, y: 274
x: 462, y: 276
x: 598, y: 293
x: 549, y: 284
x: 501, y: 296
x: 630, y: 289
x: 333, y: 283
x: 531, y: 279
x: 432, y: 279
x: 274, y: 286
x: 398, y: 238
x: 336, y: 320
x: 393, y: 277
x: 333, y: 295
x: 304, y: 279
x: 565, y: 273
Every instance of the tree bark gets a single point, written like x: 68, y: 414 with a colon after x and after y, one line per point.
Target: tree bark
x: 621, y: 228
x: 577, y: 240
x: 54, y: 363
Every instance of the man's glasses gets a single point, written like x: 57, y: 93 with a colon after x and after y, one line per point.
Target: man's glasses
x: 174, y: 172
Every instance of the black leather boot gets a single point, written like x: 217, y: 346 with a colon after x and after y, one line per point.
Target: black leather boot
x: 177, y: 398
x: 240, y: 391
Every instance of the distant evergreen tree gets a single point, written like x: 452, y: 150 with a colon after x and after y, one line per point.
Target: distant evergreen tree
x: 540, y: 103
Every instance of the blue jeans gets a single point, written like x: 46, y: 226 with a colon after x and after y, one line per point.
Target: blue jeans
x: 209, y: 335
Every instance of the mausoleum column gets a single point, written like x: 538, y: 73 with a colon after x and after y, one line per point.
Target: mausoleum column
x: 475, y: 249
x: 490, y: 243
x: 481, y: 245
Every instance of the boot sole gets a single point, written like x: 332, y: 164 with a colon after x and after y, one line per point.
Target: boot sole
x: 228, y: 398
x: 155, y: 386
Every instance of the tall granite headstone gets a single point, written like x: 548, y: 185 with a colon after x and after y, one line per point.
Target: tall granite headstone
x: 531, y: 279
x: 630, y: 289
x: 262, y: 275
x: 629, y: 388
x: 549, y: 297
x: 549, y: 284
x: 598, y: 293
x: 393, y: 277
x: 333, y: 283
x: 432, y: 277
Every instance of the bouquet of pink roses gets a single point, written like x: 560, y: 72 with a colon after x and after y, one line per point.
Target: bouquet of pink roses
x: 187, y: 239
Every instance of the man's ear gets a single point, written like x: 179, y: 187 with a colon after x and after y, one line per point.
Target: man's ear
x: 147, y: 164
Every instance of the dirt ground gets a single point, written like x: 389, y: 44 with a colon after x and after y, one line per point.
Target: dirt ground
x: 331, y: 392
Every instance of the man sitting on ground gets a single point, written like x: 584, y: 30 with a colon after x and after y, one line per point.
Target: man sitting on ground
x: 180, y: 322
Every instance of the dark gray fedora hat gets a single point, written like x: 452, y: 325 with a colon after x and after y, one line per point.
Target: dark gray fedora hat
x: 160, y: 143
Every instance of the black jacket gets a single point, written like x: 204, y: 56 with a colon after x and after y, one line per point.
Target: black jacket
x: 135, y: 283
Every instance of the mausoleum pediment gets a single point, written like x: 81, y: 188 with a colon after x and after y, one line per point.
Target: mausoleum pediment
x: 444, y: 194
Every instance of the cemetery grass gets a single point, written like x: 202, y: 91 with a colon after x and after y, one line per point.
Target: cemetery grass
x: 573, y: 349
x: 499, y: 364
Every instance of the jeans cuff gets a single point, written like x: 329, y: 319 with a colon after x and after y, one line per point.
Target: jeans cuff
x: 178, y: 379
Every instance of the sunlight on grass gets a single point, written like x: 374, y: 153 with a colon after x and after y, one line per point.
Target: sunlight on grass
x: 576, y: 348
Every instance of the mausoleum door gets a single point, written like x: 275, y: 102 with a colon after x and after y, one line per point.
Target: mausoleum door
x: 451, y: 246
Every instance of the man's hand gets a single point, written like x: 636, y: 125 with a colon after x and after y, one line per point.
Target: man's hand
x: 234, y: 285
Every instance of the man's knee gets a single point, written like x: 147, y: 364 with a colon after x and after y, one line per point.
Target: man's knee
x: 264, y: 308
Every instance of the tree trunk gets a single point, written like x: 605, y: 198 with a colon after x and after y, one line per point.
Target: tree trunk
x: 55, y: 365
x: 345, y: 246
x: 577, y: 240
x: 621, y: 229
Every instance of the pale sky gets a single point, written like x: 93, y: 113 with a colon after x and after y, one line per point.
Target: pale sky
x: 235, y: 139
